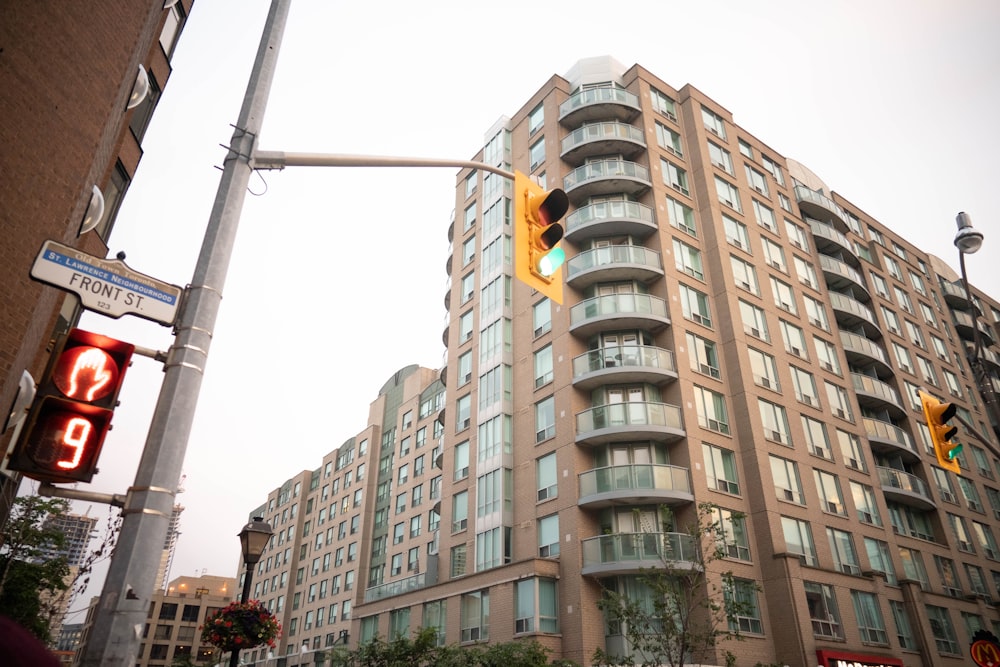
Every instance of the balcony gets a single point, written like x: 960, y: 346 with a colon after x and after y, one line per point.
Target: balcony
x: 635, y: 484
x: 832, y: 242
x: 878, y: 395
x: 630, y: 553
x: 850, y: 313
x: 618, y: 311
x: 989, y: 356
x: 628, y: 422
x: 606, y: 177
x: 613, y: 263
x: 819, y: 206
x: 611, y: 218
x: 842, y: 276
x: 393, y: 588
x: 964, y: 323
x: 905, y: 488
x: 864, y: 353
x: 599, y: 104
x: 954, y: 295
x: 624, y: 364
x: 607, y: 138
x: 889, y: 438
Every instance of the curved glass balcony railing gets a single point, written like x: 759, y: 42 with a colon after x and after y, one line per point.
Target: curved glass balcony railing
x: 613, y: 263
x: 599, y: 103
x: 840, y: 275
x: 884, y: 436
x: 905, y: 488
x: 829, y: 239
x: 610, y: 218
x: 864, y: 353
x: 850, y: 312
x: 875, y: 393
x: 603, y: 487
x: 954, y: 295
x: 623, y: 311
x: 819, y: 206
x: 603, y: 138
x: 620, y: 364
x: 624, y: 553
x: 605, y: 177
x: 618, y: 422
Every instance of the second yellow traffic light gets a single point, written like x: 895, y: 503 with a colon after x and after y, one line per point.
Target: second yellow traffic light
x: 537, y: 260
x: 937, y: 415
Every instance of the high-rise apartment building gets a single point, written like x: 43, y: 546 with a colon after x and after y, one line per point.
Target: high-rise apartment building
x: 169, y: 548
x: 78, y: 87
x: 733, y: 332
x: 78, y: 529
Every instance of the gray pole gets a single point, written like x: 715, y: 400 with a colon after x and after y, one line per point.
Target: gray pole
x: 113, y: 640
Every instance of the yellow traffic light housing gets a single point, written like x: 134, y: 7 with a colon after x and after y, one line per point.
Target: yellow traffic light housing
x: 937, y: 415
x: 537, y: 260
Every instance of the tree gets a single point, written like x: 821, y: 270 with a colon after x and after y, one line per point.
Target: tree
x: 422, y: 650
x: 680, y: 611
x: 29, y: 583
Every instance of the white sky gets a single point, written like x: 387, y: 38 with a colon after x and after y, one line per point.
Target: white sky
x: 338, y: 276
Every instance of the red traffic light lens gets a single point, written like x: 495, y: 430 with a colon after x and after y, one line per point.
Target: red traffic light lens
x: 85, y: 373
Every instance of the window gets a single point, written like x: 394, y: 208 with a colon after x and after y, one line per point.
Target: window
x: 817, y: 441
x: 465, y: 327
x: 674, y: 176
x: 805, y: 387
x: 913, y: 566
x: 794, y: 339
x: 942, y: 629
x: 548, y: 536
x: 681, y: 216
x: 949, y: 576
x: 545, y: 419
x: 746, y: 150
x: 904, y: 634
x: 545, y: 468
x: 869, y: 616
x: 688, y: 259
x: 845, y: 558
x: 865, y: 504
x: 463, y: 413
x: 764, y: 369
x: 880, y: 559
x: 736, y: 233
x: 468, y: 250
x: 969, y: 491
x: 542, y: 316
x: 668, y: 140
x: 798, y: 538
x: 458, y: 560
x: 469, y: 218
x: 459, y: 511
x: 774, y: 255
x: 720, y: 469
x: 757, y: 182
x: 784, y: 296
x: 728, y: 194
x: 830, y: 496
x: 741, y: 605
x: 744, y: 275
x: 754, y: 322
x: 775, y: 421
x: 712, y: 412
x: 435, y: 616
x: 806, y: 272
x: 823, y: 611
x: 415, y: 524
x: 702, y: 355
x: 543, y: 366
x: 471, y: 183
x: 663, y: 104
x: 536, y: 153
x: 694, y: 305
x: 879, y: 284
x: 840, y: 401
x: 987, y: 542
x: 461, y: 460
x: 773, y: 168
x: 536, y: 606
x: 787, y: 484
x: 731, y: 529
x: 536, y: 119
x: 721, y: 158
x: 827, y: 354
x: 475, y: 616
x: 713, y: 123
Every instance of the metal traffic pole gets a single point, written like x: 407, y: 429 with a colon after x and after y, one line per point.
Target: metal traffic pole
x: 113, y: 639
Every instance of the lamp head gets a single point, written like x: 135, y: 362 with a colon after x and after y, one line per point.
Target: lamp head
x: 253, y: 539
x: 968, y: 239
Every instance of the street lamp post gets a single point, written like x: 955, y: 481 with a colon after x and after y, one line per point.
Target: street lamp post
x: 253, y: 539
x: 969, y: 240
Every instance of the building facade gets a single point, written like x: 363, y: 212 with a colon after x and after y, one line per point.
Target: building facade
x: 74, y: 117
x: 733, y: 332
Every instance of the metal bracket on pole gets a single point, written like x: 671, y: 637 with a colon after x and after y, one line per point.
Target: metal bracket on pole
x: 52, y: 491
x: 282, y: 159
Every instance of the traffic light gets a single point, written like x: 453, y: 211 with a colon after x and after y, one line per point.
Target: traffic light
x: 537, y: 260
x: 71, y: 413
x: 937, y: 415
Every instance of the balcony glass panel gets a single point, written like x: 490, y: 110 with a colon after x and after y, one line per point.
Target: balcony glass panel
x: 610, y: 255
x: 639, y: 477
x: 629, y: 414
x: 639, y: 550
x: 605, y: 169
x: 612, y: 304
x: 623, y: 355
x: 591, y: 96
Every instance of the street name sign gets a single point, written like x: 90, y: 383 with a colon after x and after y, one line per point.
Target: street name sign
x: 106, y: 286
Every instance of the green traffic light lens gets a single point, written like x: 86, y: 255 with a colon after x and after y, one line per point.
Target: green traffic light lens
x: 954, y: 451
x: 551, y: 262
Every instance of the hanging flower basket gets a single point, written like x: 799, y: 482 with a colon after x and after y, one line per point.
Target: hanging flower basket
x: 241, y: 625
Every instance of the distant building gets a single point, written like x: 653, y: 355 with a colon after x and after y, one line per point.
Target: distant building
x: 169, y: 547
x: 732, y: 332
x: 79, y: 531
x: 175, y: 616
